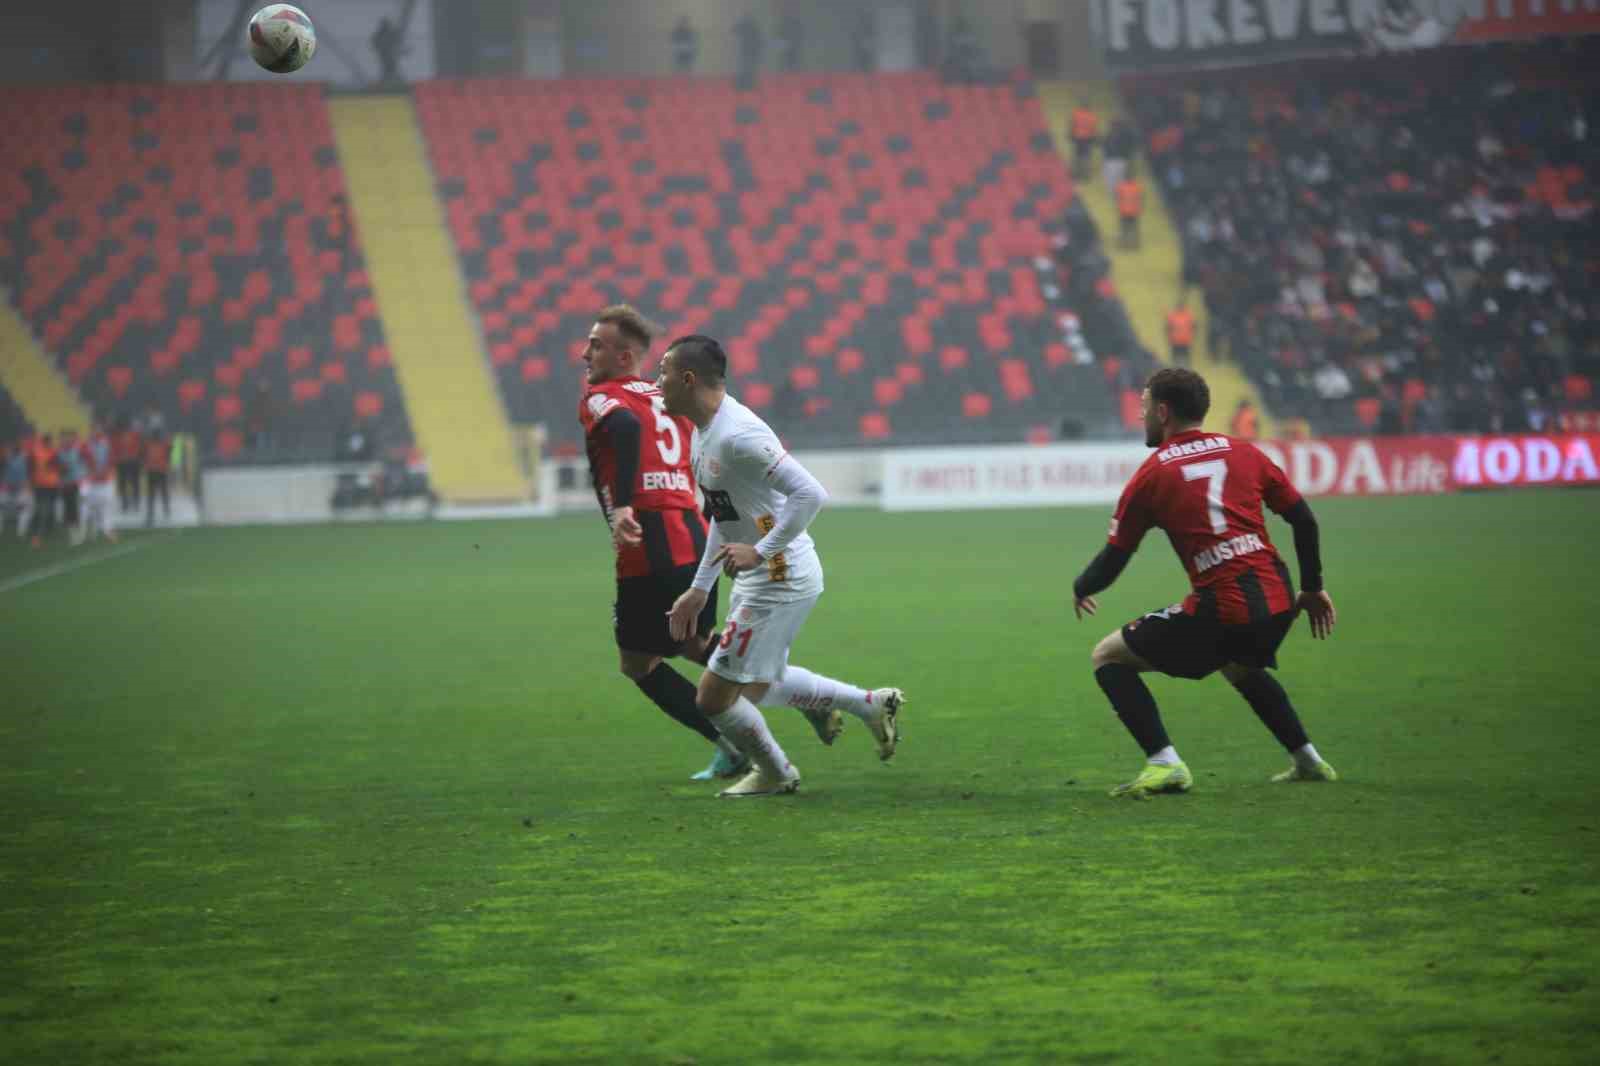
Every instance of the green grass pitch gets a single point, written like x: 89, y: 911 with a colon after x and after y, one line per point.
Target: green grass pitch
x: 376, y: 794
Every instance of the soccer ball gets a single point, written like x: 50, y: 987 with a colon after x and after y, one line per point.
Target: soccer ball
x: 282, y: 38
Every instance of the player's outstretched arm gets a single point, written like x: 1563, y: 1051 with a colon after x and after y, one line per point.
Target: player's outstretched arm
x: 1313, y: 598
x: 622, y: 432
x: 686, y: 608
x: 1098, y: 576
x: 804, y: 497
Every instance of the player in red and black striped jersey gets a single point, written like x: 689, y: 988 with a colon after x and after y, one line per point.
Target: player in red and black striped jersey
x: 639, y: 459
x: 1206, y: 490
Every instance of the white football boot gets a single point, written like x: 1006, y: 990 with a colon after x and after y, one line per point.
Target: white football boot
x: 884, y: 721
x: 759, y: 783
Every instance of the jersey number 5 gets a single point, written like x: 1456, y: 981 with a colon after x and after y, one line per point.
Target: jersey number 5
x: 670, y: 444
x: 1214, y: 472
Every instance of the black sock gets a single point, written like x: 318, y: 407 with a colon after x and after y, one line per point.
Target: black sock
x: 1271, y: 704
x: 1131, y: 699
x: 672, y: 692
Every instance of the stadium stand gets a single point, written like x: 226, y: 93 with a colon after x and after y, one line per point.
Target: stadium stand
x: 1395, y: 244
x: 181, y: 248
x: 874, y: 250
x: 13, y: 423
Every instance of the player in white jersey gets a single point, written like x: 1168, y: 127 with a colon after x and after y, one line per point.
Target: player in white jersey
x: 760, y: 501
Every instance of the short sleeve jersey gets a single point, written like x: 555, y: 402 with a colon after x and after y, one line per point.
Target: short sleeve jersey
x: 663, y: 490
x: 735, y: 458
x: 1206, y: 490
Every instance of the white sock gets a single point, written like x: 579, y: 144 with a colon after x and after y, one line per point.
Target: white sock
x: 1306, y: 755
x: 1167, y: 756
x: 799, y: 687
x: 743, y: 725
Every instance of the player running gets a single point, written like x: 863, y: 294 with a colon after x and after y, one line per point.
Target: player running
x: 760, y: 501
x: 639, y: 458
x: 1206, y: 491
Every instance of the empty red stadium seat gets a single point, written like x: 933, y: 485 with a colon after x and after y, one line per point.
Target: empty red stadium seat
x: 304, y: 390
x: 191, y: 392
x: 368, y: 404
x: 225, y: 408
x: 1016, y: 380
x: 228, y: 376
x: 804, y: 376
x: 886, y: 392
x: 952, y: 358
x: 230, y: 442
x: 757, y: 394
x: 849, y: 360
x: 976, y: 405
x: 1577, y: 388
x: 119, y: 378
x: 297, y: 359
x: 535, y: 368
x: 874, y: 425
x: 333, y: 371
x: 378, y: 357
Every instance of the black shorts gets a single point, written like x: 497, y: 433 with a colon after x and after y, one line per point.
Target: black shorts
x: 640, y: 613
x: 1184, y: 645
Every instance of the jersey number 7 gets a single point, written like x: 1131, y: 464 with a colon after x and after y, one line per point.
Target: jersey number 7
x: 1214, y: 472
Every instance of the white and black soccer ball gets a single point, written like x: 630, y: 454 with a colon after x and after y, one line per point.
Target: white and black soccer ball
x: 282, y: 39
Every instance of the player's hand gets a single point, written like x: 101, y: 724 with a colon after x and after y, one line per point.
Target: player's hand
x: 737, y: 558
x: 625, y: 528
x: 1319, y: 605
x: 685, y: 612
x: 1084, y: 606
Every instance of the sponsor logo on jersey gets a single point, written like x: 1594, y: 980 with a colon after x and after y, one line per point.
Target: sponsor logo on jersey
x: 777, y: 566
x: 1113, y: 528
x: 1193, y: 447
x: 1233, y: 548
x: 666, y: 481
x: 601, y: 405
x: 644, y: 388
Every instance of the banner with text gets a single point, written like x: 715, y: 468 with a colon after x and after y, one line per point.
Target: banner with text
x: 918, y: 479
x: 1155, y: 34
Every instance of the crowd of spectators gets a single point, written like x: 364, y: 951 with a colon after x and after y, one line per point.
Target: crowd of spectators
x: 1398, y: 244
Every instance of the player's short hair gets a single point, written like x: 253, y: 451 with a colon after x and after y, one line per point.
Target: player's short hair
x: 703, y: 355
x: 1183, y: 391
x: 630, y: 322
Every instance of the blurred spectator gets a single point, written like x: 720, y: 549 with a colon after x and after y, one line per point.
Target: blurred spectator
x: 791, y: 41
x: 260, y: 414
x: 1246, y: 423
x: 1130, y: 204
x: 961, y: 59
x: 751, y: 43
x: 1180, y: 333
x: 16, y: 501
x: 1117, y: 154
x: 99, y: 492
x: 866, y: 41
x: 685, y: 46
x: 127, y: 451
x: 1083, y: 129
x: 157, y: 467
x: 44, y: 477
x: 389, y: 45
x: 73, y: 472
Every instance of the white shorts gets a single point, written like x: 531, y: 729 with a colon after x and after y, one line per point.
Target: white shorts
x: 754, y: 648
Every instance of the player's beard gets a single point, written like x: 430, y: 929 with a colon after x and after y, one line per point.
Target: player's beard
x: 1152, y: 436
